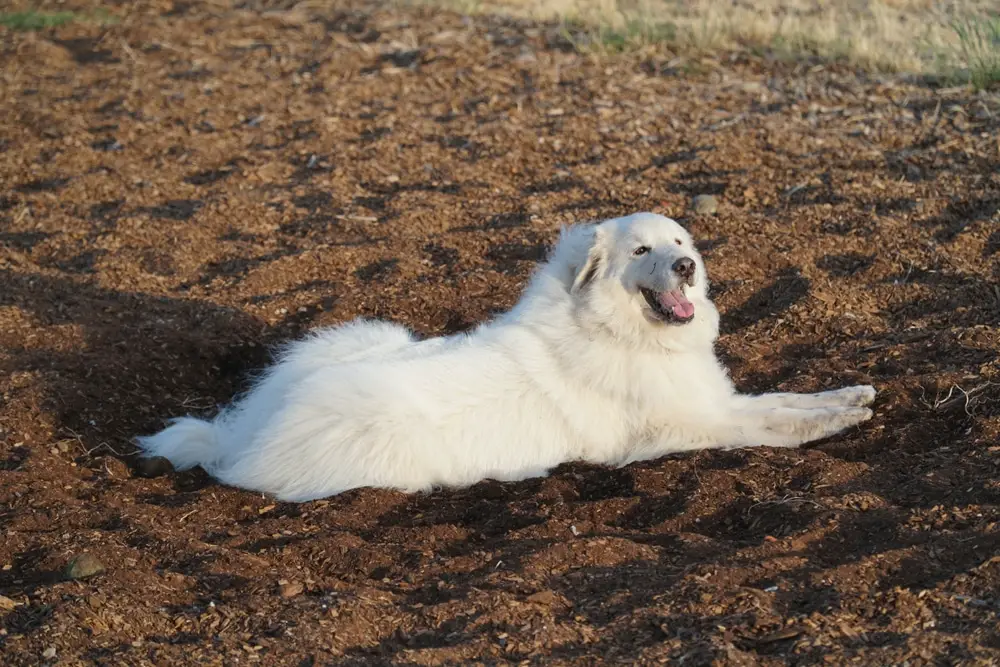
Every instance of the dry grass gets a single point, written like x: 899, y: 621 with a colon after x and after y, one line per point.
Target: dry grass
x: 916, y: 36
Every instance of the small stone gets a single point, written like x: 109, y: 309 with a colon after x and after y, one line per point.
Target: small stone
x: 84, y: 566
x: 705, y: 204
x: 526, y: 58
x: 291, y: 589
x: 154, y: 466
x: 49, y: 653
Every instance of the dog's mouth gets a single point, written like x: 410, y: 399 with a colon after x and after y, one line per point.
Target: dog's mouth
x: 670, y: 306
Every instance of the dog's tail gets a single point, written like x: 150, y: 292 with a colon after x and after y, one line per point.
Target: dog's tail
x: 186, y: 443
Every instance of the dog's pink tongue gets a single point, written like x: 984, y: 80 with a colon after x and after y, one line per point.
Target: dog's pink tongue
x: 677, y: 303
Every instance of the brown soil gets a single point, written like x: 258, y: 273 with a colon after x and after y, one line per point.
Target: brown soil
x: 185, y: 188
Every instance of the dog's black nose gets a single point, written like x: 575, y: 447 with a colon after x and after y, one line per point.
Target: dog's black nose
x: 684, y: 267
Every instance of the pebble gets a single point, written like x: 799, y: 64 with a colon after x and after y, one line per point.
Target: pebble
x: 49, y: 653
x: 526, y: 58
x: 154, y: 466
x: 705, y: 204
x: 84, y: 566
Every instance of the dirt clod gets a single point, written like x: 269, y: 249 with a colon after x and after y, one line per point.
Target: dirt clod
x: 546, y: 598
x: 153, y: 466
x: 291, y: 589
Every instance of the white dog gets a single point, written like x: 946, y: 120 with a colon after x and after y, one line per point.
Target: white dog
x: 607, y: 358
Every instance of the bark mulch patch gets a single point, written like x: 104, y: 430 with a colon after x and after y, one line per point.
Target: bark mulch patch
x: 183, y: 189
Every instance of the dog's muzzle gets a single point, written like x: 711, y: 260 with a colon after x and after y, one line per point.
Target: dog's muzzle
x: 671, y: 306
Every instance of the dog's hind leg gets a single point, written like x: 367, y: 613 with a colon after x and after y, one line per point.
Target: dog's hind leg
x: 857, y: 396
x: 354, y: 341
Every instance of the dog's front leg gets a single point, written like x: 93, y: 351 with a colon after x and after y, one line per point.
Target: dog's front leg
x: 742, y: 426
x: 857, y: 396
x: 791, y: 427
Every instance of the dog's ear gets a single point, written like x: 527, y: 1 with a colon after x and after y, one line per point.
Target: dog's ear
x: 594, y: 261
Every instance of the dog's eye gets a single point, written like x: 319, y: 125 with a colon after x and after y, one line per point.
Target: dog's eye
x: 641, y: 250
x: 678, y: 242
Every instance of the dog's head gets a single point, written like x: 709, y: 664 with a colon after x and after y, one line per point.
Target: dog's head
x: 640, y: 278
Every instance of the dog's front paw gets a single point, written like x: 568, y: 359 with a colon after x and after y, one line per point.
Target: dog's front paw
x: 860, y: 395
x: 853, y: 416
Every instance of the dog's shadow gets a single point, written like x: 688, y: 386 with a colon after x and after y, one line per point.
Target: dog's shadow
x: 138, y: 360
x: 788, y: 288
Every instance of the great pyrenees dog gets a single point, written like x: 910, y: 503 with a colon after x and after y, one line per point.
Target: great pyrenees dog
x: 608, y: 357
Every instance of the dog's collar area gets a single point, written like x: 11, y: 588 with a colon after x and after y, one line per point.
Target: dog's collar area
x: 671, y: 307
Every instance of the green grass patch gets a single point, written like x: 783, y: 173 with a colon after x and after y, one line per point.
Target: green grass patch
x: 979, y: 48
x: 636, y: 32
x: 27, y: 21
x: 606, y: 39
x: 31, y: 20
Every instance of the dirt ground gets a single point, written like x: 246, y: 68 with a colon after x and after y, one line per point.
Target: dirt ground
x: 199, y: 181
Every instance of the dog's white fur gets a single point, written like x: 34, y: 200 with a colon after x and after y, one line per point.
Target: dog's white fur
x: 580, y: 369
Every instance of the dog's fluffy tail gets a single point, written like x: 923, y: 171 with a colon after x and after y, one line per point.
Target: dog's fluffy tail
x: 186, y: 443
